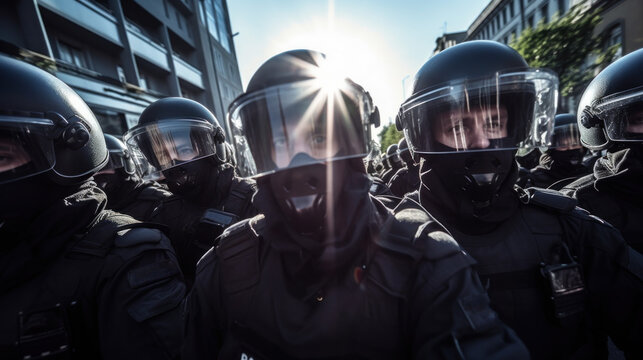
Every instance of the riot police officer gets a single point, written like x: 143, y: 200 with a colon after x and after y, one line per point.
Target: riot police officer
x: 76, y: 281
x: 406, y: 179
x: 609, y: 117
x: 325, y: 270
x: 183, y: 142
x: 126, y: 191
x: 395, y: 163
x: 563, y: 162
x: 559, y: 277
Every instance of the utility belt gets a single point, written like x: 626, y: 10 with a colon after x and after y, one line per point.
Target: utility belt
x: 46, y: 333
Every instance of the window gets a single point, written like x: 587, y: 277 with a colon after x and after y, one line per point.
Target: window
x: 544, y: 13
x: 72, y: 54
x: 178, y: 18
x: 615, y: 38
x: 110, y: 121
x: 511, y: 9
x: 209, y: 14
x: 530, y: 21
x: 223, y: 28
x: 561, y: 7
x: 504, y: 16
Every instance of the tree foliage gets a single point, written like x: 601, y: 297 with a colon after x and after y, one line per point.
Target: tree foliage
x: 564, y: 46
x: 389, y: 136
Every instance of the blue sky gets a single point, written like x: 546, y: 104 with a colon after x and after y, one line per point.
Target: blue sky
x: 381, y: 43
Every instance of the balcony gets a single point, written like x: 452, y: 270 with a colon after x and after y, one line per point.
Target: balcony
x: 87, y: 15
x: 188, y: 72
x: 145, y: 47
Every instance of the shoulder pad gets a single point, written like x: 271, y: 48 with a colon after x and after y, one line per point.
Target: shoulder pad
x: 547, y: 198
x: 413, y: 232
x: 137, y: 236
x: 100, y: 237
x: 238, y: 252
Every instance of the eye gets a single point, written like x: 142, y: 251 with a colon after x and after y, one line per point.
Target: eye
x: 279, y: 142
x: 318, y: 139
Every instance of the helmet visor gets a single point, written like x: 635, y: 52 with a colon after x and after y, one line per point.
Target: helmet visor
x: 299, y: 124
x: 25, y: 147
x: 506, y: 111
x: 566, y: 137
x: 115, y: 161
x: 623, y: 115
x: 168, y: 143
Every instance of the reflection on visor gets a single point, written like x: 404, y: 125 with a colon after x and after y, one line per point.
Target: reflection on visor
x: 507, y: 111
x: 566, y: 137
x: 25, y: 148
x: 622, y: 115
x: 300, y: 124
x: 170, y: 143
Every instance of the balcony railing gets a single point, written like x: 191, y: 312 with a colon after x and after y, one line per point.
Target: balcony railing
x: 86, y: 14
x: 188, y: 72
x: 145, y: 47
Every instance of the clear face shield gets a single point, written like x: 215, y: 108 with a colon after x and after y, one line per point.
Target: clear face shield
x: 622, y: 115
x: 299, y: 124
x: 160, y: 146
x: 26, y: 147
x: 507, y: 111
x: 566, y: 137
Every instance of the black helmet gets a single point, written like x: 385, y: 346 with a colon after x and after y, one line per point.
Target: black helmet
x: 295, y: 119
x: 47, y: 127
x: 393, y: 156
x: 172, y: 132
x: 472, y: 106
x: 566, y: 135
x: 119, y: 156
x: 290, y: 87
x: 478, y: 78
x: 404, y: 153
x: 611, y: 108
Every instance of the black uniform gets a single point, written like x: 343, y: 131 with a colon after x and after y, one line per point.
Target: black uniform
x: 613, y: 193
x: 511, y: 260
x: 85, y: 283
x: 138, y: 199
x: 554, y: 174
x: 194, y: 226
x: 405, y: 180
x: 379, y: 297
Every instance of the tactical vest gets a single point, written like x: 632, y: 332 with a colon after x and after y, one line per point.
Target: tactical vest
x: 54, y: 315
x: 533, y: 279
x: 357, y: 316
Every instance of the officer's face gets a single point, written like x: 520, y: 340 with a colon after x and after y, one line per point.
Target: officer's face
x: 12, y: 154
x: 309, y: 135
x: 635, y: 121
x: 568, y: 143
x: 462, y: 130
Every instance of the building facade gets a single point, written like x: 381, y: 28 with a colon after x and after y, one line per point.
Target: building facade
x: 504, y: 20
x: 121, y: 55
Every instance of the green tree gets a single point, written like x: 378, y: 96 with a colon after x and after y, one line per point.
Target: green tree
x: 388, y: 136
x: 564, y: 45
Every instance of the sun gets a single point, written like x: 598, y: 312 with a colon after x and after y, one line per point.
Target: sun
x: 351, y: 51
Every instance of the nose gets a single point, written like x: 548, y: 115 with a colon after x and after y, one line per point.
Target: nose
x: 478, y: 139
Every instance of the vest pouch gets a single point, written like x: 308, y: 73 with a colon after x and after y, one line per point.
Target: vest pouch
x: 211, y: 225
x: 566, y: 289
x: 43, y: 334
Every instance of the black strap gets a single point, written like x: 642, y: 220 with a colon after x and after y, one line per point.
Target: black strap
x: 238, y: 199
x: 514, y: 280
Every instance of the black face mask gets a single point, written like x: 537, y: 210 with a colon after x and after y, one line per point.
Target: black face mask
x: 192, y: 179
x: 24, y: 199
x: 303, y: 193
x: 568, y: 159
x: 473, y: 187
